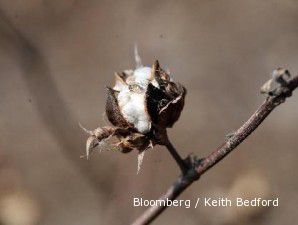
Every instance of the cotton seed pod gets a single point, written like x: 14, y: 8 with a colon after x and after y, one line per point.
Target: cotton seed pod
x: 141, y: 105
x: 145, y: 99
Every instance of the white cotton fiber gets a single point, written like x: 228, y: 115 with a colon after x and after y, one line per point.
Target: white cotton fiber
x: 142, y: 76
x: 123, y: 96
x: 134, y: 111
x: 119, y: 85
x: 132, y: 101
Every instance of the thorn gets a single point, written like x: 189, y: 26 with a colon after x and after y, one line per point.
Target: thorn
x: 155, y: 71
x: 155, y: 66
x: 86, y: 130
x: 140, y: 160
x: 91, y: 143
x: 138, y: 59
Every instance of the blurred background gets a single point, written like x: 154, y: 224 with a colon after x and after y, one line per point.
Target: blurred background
x: 57, y: 56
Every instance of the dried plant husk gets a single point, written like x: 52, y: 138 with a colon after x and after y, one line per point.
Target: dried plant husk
x: 113, y: 111
x: 142, y: 104
x: 164, y: 104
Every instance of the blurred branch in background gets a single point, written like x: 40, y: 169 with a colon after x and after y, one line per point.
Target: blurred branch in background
x: 278, y: 89
x: 53, y: 111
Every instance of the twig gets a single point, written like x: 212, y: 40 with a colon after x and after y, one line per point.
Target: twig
x: 181, y: 163
x: 161, y: 137
x: 222, y: 151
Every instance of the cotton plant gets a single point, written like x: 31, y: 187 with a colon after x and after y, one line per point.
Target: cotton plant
x: 141, y: 105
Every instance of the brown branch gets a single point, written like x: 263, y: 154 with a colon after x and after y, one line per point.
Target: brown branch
x: 222, y: 151
x: 180, y: 162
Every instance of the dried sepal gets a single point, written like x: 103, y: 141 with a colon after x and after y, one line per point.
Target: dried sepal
x: 170, y: 113
x: 128, y: 139
x: 91, y: 143
x: 155, y: 70
x: 164, y: 104
x: 113, y: 110
x: 134, y: 141
x: 156, y: 99
x: 97, y: 137
x: 161, y: 77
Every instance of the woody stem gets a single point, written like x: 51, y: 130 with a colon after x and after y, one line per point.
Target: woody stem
x: 181, y: 163
x: 162, y: 138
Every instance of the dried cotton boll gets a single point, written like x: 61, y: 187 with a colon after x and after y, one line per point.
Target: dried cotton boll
x: 143, y: 103
x: 144, y: 97
x: 132, y: 97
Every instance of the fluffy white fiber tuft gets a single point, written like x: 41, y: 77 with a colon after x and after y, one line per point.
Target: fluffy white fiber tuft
x: 133, y: 110
x: 142, y: 76
x: 132, y: 94
x: 132, y: 100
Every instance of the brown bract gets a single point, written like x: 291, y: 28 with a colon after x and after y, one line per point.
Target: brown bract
x: 164, y: 104
x: 113, y: 110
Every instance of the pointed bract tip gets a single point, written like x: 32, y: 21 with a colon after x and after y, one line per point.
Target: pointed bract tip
x: 91, y: 143
x: 140, y: 160
x: 138, y: 59
x: 120, y: 76
x: 86, y: 130
x: 155, y: 65
x: 155, y: 69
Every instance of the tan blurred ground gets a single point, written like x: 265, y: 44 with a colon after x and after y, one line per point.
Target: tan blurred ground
x: 56, y: 57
